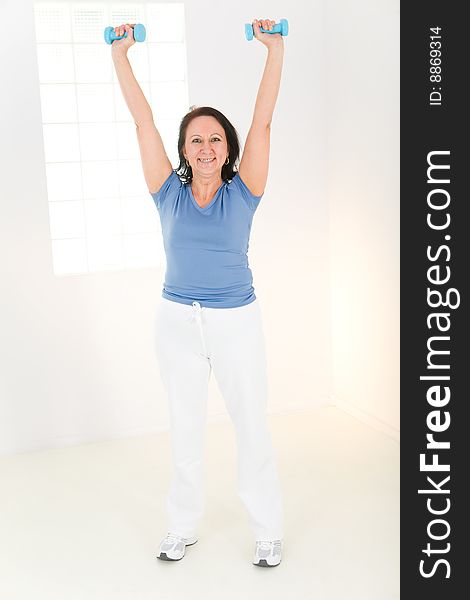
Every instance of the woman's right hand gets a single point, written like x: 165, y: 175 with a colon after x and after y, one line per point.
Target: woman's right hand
x: 122, y: 46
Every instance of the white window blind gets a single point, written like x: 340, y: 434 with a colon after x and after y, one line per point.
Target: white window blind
x: 101, y: 214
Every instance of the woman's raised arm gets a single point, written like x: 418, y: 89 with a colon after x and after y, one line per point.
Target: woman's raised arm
x: 155, y: 162
x: 254, y: 164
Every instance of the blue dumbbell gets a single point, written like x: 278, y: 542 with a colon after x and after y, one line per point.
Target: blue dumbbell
x: 282, y: 27
x: 139, y: 34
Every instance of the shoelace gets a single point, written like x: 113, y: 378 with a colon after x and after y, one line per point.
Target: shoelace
x: 171, y: 538
x: 269, y: 545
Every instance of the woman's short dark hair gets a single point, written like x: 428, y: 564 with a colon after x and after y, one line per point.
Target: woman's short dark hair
x: 229, y: 170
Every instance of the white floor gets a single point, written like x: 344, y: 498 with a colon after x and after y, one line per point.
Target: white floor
x: 83, y: 523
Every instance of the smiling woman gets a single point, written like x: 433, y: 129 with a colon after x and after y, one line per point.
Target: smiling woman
x: 206, y: 133
x: 209, y: 316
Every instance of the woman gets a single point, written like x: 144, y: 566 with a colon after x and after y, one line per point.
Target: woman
x: 208, y: 317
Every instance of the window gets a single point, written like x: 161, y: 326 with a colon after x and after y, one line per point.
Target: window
x: 101, y: 214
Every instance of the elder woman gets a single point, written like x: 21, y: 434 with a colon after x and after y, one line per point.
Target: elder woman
x: 208, y: 318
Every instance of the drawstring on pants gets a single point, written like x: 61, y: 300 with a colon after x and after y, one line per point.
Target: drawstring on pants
x: 197, y: 315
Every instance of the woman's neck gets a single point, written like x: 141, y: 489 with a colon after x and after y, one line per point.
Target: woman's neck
x: 204, y: 189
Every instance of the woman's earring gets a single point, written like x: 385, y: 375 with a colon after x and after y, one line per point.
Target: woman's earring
x: 227, y: 161
x: 187, y: 164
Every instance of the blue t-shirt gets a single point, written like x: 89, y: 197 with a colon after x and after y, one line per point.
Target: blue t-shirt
x: 206, y: 248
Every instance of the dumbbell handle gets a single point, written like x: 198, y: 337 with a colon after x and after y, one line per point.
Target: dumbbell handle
x: 276, y: 29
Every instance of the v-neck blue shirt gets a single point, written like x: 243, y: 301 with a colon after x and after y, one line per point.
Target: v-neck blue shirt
x: 206, y: 248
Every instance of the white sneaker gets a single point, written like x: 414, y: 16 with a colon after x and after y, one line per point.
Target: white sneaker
x: 174, y: 546
x: 267, y: 554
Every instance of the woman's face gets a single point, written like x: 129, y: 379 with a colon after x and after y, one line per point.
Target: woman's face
x: 205, y: 146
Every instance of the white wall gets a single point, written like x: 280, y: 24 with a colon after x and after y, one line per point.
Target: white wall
x: 363, y: 195
x: 76, y: 353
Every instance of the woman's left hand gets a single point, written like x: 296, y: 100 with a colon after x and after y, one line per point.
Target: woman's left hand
x: 268, y: 39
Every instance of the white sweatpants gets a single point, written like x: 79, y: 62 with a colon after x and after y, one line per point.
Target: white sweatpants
x: 190, y: 341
